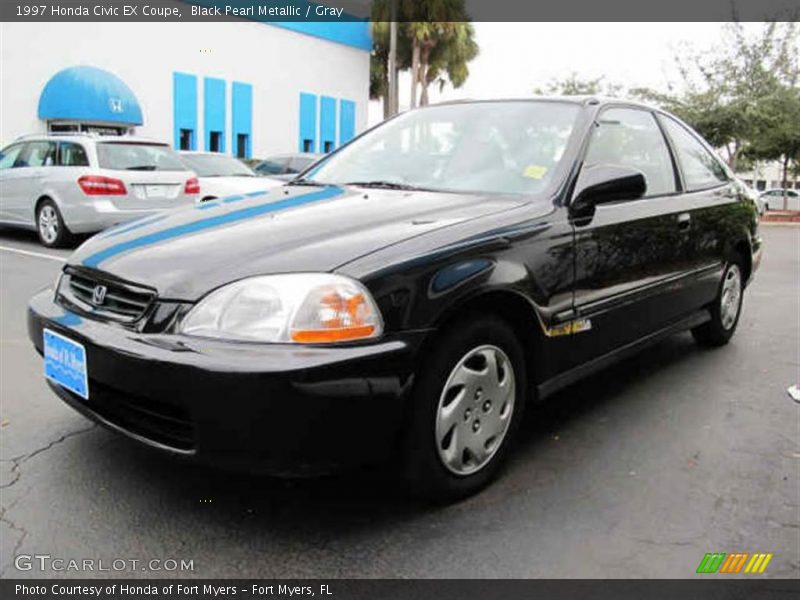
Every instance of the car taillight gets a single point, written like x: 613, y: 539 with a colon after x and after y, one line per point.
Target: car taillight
x: 192, y: 186
x: 97, y: 185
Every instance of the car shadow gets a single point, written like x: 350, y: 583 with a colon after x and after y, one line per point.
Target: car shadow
x: 371, y: 497
x: 604, y: 387
x: 29, y: 236
x: 17, y: 234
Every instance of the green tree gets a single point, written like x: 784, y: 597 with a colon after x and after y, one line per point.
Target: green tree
x: 435, y: 42
x: 574, y: 85
x: 448, y: 61
x: 725, y: 93
x: 779, y: 138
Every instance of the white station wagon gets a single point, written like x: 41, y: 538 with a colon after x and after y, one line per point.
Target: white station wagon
x: 62, y: 185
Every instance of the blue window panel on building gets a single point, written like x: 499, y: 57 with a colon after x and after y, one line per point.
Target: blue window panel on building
x: 184, y: 111
x: 327, y: 124
x: 214, y: 114
x: 308, y: 122
x: 347, y: 121
x: 242, y: 119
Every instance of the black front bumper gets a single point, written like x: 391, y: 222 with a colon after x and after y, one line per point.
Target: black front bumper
x: 280, y: 409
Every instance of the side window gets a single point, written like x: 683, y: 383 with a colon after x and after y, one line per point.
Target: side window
x: 701, y: 169
x: 38, y: 154
x: 632, y: 138
x: 9, y: 155
x: 72, y: 155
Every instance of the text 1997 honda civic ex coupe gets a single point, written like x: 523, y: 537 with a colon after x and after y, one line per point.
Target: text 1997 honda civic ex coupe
x: 409, y: 295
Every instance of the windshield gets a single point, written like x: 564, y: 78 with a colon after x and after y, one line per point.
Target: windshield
x: 217, y: 165
x: 492, y: 147
x: 134, y: 156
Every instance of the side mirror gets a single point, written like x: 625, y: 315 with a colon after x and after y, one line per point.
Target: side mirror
x: 600, y: 184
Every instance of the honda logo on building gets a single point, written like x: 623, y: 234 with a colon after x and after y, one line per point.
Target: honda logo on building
x: 115, y: 104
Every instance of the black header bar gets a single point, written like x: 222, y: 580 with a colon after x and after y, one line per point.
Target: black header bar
x: 361, y: 10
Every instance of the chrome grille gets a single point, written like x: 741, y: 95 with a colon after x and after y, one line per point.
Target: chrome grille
x: 105, y: 298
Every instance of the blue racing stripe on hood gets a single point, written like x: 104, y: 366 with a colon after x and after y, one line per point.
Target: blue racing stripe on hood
x: 238, y: 215
x: 137, y: 224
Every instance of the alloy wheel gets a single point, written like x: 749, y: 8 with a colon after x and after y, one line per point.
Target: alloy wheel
x: 48, y: 224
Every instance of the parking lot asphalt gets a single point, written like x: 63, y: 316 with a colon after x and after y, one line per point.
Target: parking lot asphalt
x: 636, y: 472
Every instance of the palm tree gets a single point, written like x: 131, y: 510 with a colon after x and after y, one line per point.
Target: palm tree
x: 431, y: 25
x: 447, y: 61
x: 435, y: 42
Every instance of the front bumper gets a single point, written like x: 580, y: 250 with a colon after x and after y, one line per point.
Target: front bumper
x: 280, y: 409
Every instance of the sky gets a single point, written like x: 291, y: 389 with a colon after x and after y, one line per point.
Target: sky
x: 516, y: 58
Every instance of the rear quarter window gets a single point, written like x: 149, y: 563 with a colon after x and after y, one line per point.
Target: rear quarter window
x: 701, y: 169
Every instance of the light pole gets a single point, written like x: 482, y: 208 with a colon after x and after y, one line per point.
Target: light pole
x: 392, y: 99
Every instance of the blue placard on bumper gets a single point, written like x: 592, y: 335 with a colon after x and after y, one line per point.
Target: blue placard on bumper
x: 65, y: 363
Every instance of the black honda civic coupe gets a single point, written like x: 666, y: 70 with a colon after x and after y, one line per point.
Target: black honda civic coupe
x: 406, y: 298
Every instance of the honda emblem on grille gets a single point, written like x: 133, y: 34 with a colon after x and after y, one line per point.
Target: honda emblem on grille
x: 99, y: 295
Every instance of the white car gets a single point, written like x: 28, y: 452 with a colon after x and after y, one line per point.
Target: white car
x: 773, y: 199
x: 62, y: 185
x: 221, y: 175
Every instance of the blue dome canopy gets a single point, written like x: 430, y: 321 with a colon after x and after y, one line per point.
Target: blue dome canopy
x: 89, y: 94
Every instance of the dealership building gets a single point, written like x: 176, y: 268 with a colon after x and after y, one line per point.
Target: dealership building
x: 245, y: 88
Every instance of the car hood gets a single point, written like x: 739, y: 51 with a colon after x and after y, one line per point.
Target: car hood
x: 228, y: 186
x: 187, y: 252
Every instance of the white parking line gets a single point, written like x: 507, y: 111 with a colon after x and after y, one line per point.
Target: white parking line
x: 34, y: 254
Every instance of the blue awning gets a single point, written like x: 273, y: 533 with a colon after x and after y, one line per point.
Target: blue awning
x: 89, y: 94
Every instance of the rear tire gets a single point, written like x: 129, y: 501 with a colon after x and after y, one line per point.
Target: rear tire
x: 725, y: 310
x: 465, y: 411
x: 50, y: 226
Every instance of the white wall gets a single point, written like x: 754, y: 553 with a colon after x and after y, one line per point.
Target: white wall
x: 278, y: 63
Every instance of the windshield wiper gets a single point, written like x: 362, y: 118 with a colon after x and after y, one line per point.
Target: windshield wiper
x: 141, y: 168
x: 385, y: 185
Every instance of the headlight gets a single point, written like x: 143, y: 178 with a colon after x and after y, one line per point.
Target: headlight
x: 298, y: 308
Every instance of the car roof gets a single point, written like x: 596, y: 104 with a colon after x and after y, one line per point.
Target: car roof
x: 582, y: 100
x: 85, y: 137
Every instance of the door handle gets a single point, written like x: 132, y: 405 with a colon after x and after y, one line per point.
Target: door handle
x: 684, y: 221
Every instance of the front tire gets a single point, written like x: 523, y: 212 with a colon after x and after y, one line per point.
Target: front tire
x: 50, y: 226
x: 466, y: 408
x: 725, y: 310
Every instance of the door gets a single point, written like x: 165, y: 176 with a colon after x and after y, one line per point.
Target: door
x: 26, y: 176
x: 9, y: 184
x: 715, y: 208
x: 630, y: 256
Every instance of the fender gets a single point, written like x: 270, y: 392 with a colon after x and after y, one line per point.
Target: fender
x: 532, y: 261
